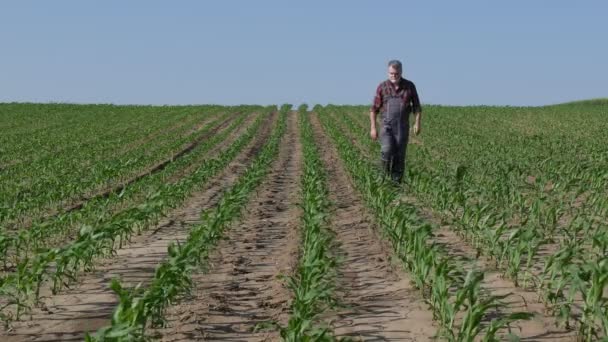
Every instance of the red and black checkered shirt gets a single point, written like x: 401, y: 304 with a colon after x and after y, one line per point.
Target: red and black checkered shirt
x: 404, y: 88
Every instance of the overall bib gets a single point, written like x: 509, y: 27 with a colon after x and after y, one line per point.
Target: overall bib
x: 394, y: 136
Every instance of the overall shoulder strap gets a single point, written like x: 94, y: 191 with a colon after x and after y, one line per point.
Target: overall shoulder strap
x: 386, y: 90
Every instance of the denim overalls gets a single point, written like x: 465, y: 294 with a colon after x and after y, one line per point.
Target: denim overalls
x: 394, y: 134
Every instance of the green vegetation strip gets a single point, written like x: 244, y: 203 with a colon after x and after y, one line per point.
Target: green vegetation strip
x: 14, y: 246
x: 20, y: 290
x: 442, y: 282
x: 314, y: 281
x: 578, y: 267
x: 32, y: 189
x: 138, y: 308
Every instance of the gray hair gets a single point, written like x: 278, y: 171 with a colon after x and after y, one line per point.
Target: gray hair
x: 395, y: 64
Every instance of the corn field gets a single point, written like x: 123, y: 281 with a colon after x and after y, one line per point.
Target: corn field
x: 273, y: 223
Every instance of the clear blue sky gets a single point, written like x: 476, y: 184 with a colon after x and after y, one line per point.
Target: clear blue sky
x: 271, y: 52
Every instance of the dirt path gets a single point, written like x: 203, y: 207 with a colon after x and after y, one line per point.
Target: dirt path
x: 241, y: 287
x: 88, y: 306
x: 381, y: 305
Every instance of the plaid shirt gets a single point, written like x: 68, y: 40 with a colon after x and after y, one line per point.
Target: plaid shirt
x: 405, y: 89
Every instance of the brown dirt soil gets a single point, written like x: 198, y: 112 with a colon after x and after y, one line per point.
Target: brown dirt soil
x: 380, y: 302
x: 241, y: 288
x: 88, y: 305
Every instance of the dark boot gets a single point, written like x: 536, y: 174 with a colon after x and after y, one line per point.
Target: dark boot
x: 386, y: 167
x: 397, y: 177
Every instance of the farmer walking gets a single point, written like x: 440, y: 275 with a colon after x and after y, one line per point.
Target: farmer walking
x: 395, y: 98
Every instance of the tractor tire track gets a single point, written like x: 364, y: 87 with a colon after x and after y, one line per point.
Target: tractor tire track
x: 88, y: 305
x: 241, y: 288
x: 380, y: 304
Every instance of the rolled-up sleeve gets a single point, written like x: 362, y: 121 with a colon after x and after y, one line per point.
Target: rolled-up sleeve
x: 377, y: 103
x: 416, y: 108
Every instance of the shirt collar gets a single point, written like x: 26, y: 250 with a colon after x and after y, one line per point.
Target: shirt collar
x: 400, y: 84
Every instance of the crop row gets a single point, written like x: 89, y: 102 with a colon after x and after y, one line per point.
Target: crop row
x: 577, y: 272
x: 443, y: 283
x: 59, y: 179
x: 139, y: 308
x: 313, y: 282
x: 60, y: 265
x: 36, y: 132
x: 15, y: 246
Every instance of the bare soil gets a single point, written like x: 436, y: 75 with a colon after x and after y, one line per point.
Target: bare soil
x: 241, y: 288
x: 380, y: 304
x: 88, y: 306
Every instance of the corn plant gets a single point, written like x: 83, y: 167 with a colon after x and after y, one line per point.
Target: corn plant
x: 534, y: 200
x: 102, y: 240
x: 140, y: 308
x: 313, y: 282
x: 477, y: 306
x: 438, y: 278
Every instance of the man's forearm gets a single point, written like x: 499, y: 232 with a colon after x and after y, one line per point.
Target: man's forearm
x: 372, y: 119
x: 417, y: 117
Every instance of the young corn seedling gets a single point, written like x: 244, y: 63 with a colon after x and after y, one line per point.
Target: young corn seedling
x: 445, y: 275
x: 592, y: 282
x: 173, y: 277
x: 477, y: 305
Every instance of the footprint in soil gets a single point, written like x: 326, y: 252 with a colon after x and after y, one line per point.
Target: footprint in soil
x: 233, y: 287
x: 241, y: 260
x: 263, y: 278
x: 239, y: 271
x: 268, y: 305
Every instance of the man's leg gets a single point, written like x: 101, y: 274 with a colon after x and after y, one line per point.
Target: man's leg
x: 387, y: 149
x: 401, y: 138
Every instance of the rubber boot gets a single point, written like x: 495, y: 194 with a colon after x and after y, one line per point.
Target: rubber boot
x: 396, y: 177
x: 386, y: 167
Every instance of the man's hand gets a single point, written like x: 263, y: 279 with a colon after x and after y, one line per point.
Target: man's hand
x: 373, y: 134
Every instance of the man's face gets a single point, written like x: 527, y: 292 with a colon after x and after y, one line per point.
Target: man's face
x: 394, y: 75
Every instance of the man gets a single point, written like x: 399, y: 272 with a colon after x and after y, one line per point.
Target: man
x: 395, y: 98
